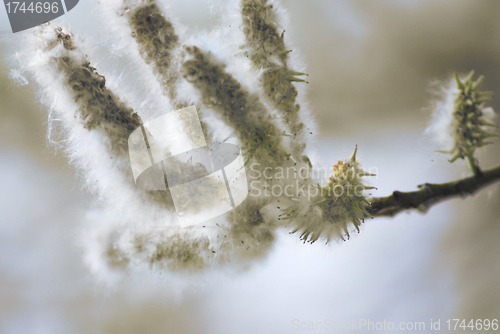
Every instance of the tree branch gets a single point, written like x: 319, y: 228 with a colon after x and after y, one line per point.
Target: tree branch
x: 430, y: 194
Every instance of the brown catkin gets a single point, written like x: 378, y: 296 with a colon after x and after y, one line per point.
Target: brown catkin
x: 253, y: 124
x: 100, y: 109
x: 157, y: 40
x: 267, y: 51
x: 176, y: 253
x: 259, y: 26
x: 258, y: 134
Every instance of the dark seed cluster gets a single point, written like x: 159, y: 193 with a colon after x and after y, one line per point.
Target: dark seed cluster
x: 176, y: 253
x: 157, y: 40
x: 260, y: 28
x: 99, y: 107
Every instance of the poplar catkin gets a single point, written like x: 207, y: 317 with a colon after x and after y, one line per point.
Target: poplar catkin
x: 268, y: 52
x: 252, y: 123
x: 157, y: 41
x: 121, y: 238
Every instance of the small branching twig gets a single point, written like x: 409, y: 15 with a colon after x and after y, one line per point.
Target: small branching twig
x: 430, y: 194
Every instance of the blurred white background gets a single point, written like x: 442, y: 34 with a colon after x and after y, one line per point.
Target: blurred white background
x: 371, y: 68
